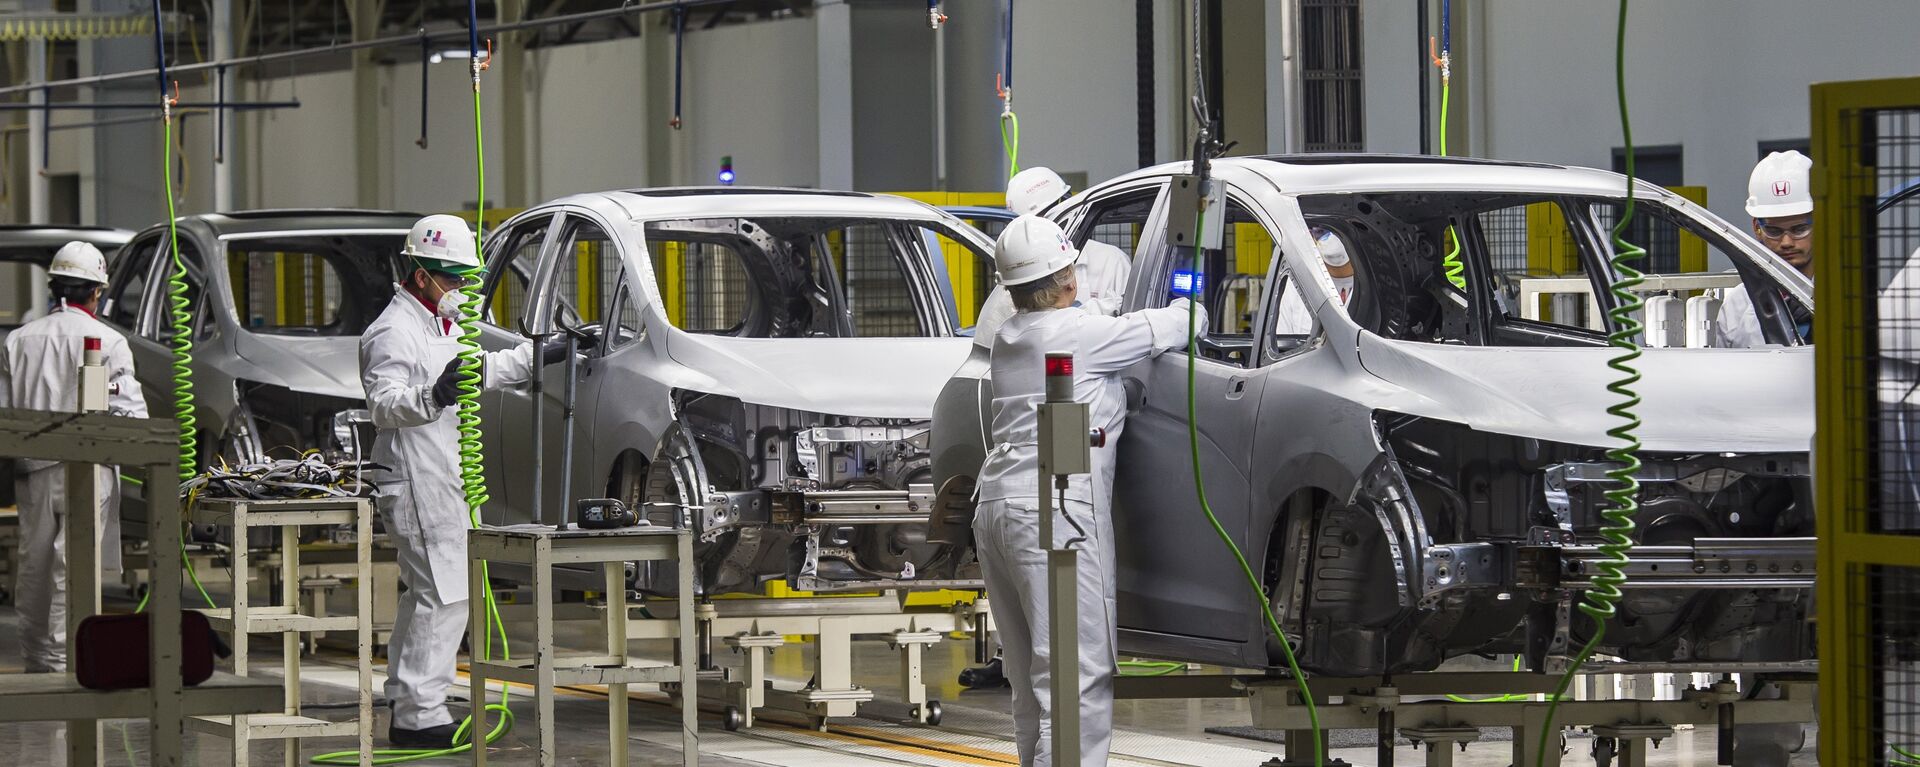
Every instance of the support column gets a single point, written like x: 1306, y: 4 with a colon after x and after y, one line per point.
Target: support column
x: 516, y: 189
x: 224, y: 121
x: 833, y: 23
x: 367, y: 139
x: 37, y: 204
x: 1283, y: 76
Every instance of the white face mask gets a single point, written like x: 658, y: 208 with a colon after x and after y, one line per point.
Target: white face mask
x: 450, y: 303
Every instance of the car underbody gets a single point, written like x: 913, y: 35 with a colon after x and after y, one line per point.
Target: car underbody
x: 827, y: 503
x: 1491, y: 541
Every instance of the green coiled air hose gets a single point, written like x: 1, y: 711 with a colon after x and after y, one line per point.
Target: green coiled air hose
x: 1455, y: 268
x: 472, y: 465
x: 1623, y: 498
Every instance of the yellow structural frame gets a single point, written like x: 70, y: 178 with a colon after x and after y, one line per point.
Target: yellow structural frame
x: 1843, y: 442
x: 961, y: 274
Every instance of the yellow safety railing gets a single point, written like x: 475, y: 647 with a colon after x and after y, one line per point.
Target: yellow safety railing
x: 1856, y: 560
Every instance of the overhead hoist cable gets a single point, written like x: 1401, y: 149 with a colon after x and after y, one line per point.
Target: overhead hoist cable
x: 1623, y: 459
x: 679, y: 63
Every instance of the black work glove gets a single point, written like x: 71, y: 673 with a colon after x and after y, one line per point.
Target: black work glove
x: 447, y: 387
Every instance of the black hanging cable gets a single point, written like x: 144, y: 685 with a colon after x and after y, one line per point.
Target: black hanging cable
x: 426, y: 59
x: 679, y: 51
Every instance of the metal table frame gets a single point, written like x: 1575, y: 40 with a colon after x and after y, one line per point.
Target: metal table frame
x: 541, y: 549
x: 285, y: 619
x: 85, y: 440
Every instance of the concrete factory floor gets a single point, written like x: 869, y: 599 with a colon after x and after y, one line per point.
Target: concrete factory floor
x: 976, y: 730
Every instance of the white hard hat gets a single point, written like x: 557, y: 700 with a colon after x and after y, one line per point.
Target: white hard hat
x: 1032, y: 190
x: 1779, y: 186
x: 79, y: 261
x: 1031, y: 248
x: 442, y: 243
x: 1333, y: 252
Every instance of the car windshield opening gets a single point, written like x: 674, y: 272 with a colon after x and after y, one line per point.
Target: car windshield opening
x: 312, y: 285
x: 802, y: 277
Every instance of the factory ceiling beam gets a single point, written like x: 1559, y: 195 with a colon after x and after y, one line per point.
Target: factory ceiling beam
x: 409, y: 40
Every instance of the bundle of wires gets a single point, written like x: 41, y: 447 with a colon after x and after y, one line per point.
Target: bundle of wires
x: 309, y: 476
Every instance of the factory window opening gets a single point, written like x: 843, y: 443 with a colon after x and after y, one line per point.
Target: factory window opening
x: 331, y: 285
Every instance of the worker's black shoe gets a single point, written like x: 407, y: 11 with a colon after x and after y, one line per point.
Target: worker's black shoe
x: 431, y: 737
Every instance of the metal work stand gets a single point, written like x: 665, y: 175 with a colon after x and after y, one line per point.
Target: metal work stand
x: 541, y: 548
x: 756, y: 627
x: 245, y: 619
x: 1415, y: 707
x: 151, y: 444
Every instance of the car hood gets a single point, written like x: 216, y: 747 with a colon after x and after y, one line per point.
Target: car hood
x: 328, y: 366
x: 1692, y: 400
x: 874, y: 377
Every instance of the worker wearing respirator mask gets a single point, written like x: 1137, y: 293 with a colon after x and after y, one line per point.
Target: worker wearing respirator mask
x: 410, y: 371
x: 1035, y: 262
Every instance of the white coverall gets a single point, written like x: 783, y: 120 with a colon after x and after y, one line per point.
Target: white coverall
x: 1100, y: 277
x: 1007, y: 529
x: 41, y: 371
x: 1739, y: 324
x: 421, y: 498
x: 1294, y: 318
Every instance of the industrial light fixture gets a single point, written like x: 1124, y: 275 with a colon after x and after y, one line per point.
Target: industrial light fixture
x: 726, y: 170
x: 450, y: 53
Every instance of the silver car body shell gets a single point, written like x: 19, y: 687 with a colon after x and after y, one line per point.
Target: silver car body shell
x: 1306, y: 421
x: 625, y: 395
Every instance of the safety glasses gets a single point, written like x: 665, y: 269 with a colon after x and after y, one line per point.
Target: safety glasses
x: 1798, y: 231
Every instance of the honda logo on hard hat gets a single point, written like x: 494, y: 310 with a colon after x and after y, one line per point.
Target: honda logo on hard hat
x: 1781, y: 188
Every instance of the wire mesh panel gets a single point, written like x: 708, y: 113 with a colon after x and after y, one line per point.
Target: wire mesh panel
x: 876, y: 290
x: 1867, y: 146
x: 1890, y: 598
x: 1506, y: 233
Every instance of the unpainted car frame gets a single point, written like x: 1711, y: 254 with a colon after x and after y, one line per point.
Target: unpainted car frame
x: 1418, y: 478
x: 793, y: 451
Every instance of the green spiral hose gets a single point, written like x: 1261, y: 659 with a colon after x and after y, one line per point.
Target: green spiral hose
x: 1623, y: 499
x: 1010, y: 139
x: 472, y: 470
x: 1456, y: 269
x: 181, y: 319
x: 1200, y: 490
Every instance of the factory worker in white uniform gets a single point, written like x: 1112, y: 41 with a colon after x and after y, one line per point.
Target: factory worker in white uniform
x: 40, y: 370
x: 1035, y: 260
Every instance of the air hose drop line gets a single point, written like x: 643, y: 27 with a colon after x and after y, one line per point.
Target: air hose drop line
x: 472, y: 468
x: 1623, y: 496
x: 1200, y: 490
x: 1456, y: 270
x: 178, y: 314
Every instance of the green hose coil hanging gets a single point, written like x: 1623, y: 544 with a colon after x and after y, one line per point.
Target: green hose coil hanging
x: 1623, y: 497
x: 472, y: 466
x: 1456, y: 270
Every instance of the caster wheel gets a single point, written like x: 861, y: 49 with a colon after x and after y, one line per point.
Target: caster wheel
x: 733, y: 719
x: 933, y: 713
x: 1604, y: 750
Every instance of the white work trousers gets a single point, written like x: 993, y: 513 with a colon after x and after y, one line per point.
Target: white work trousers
x: 1007, y: 535
x: 423, y: 656
x: 40, y: 585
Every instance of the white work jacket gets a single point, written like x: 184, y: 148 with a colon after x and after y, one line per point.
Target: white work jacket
x: 401, y: 356
x: 1739, y: 323
x: 1100, y: 277
x: 1101, y: 348
x: 41, y: 367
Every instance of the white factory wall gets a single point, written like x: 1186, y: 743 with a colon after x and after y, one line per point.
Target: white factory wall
x: 1715, y: 78
x: 750, y: 91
